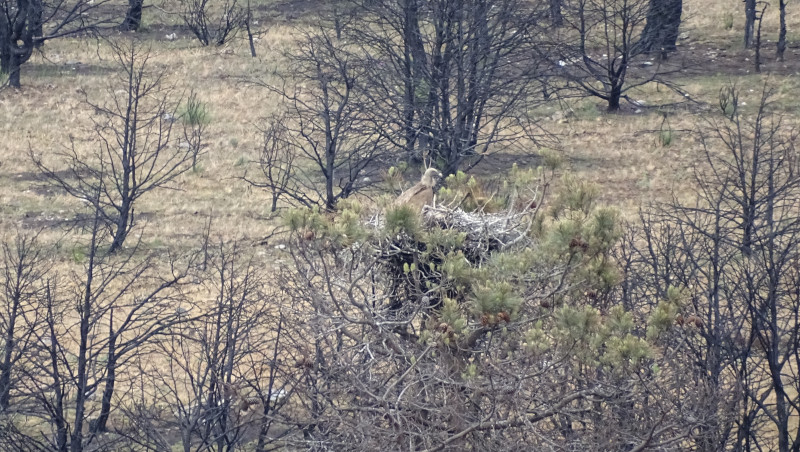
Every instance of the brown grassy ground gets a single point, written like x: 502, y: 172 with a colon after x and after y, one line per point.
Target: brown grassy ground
x: 620, y: 152
x: 623, y: 153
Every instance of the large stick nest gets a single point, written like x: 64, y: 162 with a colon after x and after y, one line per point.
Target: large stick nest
x: 484, y: 231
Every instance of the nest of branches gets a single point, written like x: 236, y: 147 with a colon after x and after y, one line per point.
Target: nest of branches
x: 485, y: 232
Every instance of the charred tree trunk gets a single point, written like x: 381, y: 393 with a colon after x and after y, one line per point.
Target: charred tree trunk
x: 663, y: 21
x: 613, y: 99
x: 5, y: 56
x: 749, y: 23
x: 10, y: 66
x: 133, y: 18
x: 100, y: 424
x: 556, y: 14
x: 5, y: 371
x: 76, y: 438
x: 417, y: 77
x: 123, y: 226
x: 782, y: 33
x: 61, y: 426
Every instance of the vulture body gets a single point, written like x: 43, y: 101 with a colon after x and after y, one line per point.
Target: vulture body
x: 421, y: 194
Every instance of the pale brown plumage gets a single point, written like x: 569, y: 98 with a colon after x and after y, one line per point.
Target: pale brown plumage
x: 421, y: 194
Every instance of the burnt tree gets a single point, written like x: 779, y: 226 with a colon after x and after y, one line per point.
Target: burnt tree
x: 781, y: 45
x: 133, y: 17
x: 750, y: 14
x: 136, y: 152
x: 660, y: 34
x: 27, y: 24
x: 443, y: 76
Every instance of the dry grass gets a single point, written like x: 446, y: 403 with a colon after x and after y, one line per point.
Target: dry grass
x: 707, y: 21
x: 623, y: 153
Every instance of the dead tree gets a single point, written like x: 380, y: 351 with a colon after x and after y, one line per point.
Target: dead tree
x: 92, y: 326
x: 750, y: 12
x: 133, y: 16
x: 660, y: 34
x: 28, y: 24
x: 606, y: 39
x: 220, y: 384
x: 446, y: 79
x: 214, y: 21
x: 24, y: 267
x: 781, y: 44
x: 277, y: 164
x: 732, y: 253
x: 322, y: 146
x: 136, y: 153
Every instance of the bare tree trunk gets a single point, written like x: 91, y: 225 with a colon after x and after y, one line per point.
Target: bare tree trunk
x: 749, y: 23
x: 265, y: 423
x: 613, y: 99
x: 133, y: 18
x: 13, y: 70
x: 76, y: 439
x: 330, y: 201
x: 663, y: 22
x: 62, y: 435
x: 249, y: 31
x: 782, y: 34
x: 100, y: 424
x: 123, y: 226
x: 5, y: 57
x: 5, y: 369
x: 760, y: 19
x: 18, y: 273
x: 556, y: 14
x: 417, y: 139
x: 250, y: 39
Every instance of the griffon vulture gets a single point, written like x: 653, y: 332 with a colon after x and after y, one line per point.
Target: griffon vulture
x: 421, y: 194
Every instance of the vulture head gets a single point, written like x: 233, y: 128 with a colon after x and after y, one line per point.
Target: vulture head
x: 431, y: 177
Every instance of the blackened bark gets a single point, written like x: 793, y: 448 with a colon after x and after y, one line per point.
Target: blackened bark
x: 100, y: 424
x: 749, y: 23
x: 5, y: 56
x: 76, y: 438
x: 417, y: 78
x: 61, y: 426
x: 663, y: 21
x: 782, y: 34
x: 556, y: 14
x: 13, y: 70
x: 5, y: 370
x: 19, y: 35
x: 124, y: 222
x: 133, y: 18
x: 614, y: 97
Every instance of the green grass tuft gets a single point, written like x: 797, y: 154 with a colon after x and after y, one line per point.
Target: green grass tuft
x: 727, y: 20
x: 195, y: 111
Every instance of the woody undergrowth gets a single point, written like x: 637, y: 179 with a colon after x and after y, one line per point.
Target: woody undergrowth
x: 439, y: 334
